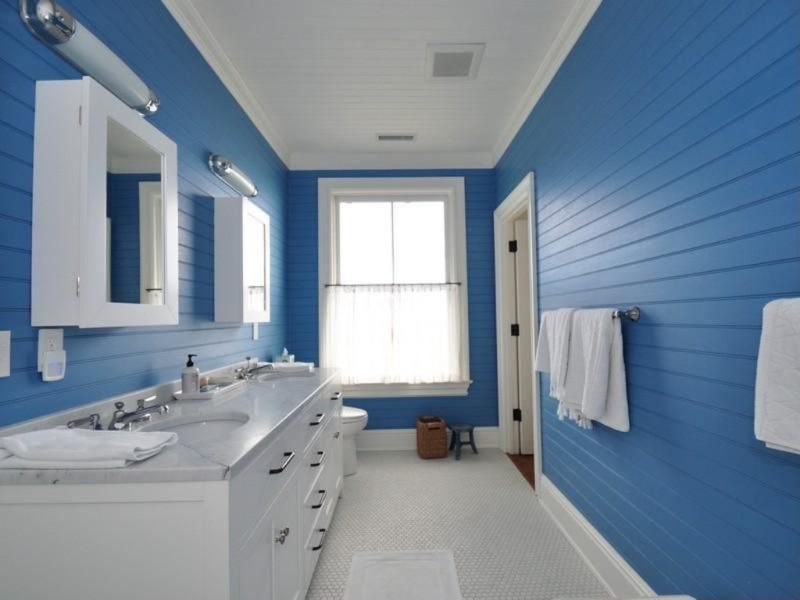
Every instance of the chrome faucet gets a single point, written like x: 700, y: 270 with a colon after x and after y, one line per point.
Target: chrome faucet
x: 249, y: 372
x: 121, y: 419
x: 93, y: 421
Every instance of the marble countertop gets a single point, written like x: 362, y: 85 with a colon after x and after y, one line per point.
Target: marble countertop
x: 270, y: 406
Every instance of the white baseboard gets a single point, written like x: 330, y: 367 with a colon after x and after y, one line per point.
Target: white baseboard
x: 618, y: 577
x: 406, y: 439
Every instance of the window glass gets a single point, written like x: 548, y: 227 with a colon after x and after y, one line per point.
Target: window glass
x: 419, y: 242
x: 365, y: 242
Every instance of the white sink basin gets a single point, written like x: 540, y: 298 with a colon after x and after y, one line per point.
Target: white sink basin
x: 196, y: 429
x: 273, y: 375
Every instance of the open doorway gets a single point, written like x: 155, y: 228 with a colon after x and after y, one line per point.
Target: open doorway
x: 515, y: 285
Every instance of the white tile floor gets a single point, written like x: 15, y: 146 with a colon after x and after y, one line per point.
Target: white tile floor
x: 506, y: 547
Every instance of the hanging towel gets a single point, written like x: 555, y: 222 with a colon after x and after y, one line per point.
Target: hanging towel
x: 64, y: 448
x: 777, y: 408
x: 287, y: 367
x: 552, y: 349
x: 595, y: 387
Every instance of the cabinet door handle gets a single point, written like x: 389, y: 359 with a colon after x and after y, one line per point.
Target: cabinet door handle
x: 320, y: 419
x: 321, y: 540
x: 282, y: 535
x: 320, y: 459
x: 336, y: 396
x: 320, y: 500
x: 289, y: 456
x: 336, y: 435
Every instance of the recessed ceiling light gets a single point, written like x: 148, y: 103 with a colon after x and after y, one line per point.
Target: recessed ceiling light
x: 453, y: 61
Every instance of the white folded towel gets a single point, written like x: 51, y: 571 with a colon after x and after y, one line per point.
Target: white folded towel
x: 777, y: 407
x: 552, y: 349
x: 64, y: 448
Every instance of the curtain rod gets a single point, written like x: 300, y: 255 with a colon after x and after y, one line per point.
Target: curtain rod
x: 387, y: 284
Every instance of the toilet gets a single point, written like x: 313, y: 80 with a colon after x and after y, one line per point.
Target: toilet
x: 353, y: 421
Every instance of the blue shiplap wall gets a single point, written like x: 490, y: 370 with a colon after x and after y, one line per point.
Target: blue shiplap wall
x: 480, y: 406
x: 667, y: 161
x: 200, y: 115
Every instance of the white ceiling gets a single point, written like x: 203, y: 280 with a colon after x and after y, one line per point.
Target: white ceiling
x: 320, y: 78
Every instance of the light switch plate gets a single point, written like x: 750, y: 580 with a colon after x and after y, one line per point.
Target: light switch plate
x: 50, y: 340
x: 5, y: 353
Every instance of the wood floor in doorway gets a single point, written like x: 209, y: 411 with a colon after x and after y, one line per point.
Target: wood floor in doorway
x: 524, y: 463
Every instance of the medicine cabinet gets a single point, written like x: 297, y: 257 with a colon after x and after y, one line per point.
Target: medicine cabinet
x: 105, y: 212
x: 241, y: 261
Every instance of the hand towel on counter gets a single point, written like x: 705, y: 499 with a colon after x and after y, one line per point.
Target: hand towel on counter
x: 64, y: 448
x: 552, y: 349
x: 777, y: 402
x: 595, y: 386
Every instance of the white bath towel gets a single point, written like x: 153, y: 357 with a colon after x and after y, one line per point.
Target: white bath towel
x: 552, y: 349
x: 293, y: 367
x: 595, y: 388
x: 777, y: 408
x: 63, y: 448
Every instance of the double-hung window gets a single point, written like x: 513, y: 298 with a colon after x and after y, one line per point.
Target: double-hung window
x: 393, y: 288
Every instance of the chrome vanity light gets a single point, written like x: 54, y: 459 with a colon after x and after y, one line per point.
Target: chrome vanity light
x: 55, y: 26
x: 232, y: 175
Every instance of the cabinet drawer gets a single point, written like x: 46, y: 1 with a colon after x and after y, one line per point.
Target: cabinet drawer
x: 320, y: 412
x: 255, y: 489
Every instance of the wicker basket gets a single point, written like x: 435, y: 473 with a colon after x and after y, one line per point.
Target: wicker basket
x: 431, y: 437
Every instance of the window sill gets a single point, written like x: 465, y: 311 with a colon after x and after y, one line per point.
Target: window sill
x: 404, y: 390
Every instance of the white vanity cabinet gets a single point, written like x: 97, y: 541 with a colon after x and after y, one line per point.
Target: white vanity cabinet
x: 254, y: 536
x: 105, y: 212
x: 241, y: 261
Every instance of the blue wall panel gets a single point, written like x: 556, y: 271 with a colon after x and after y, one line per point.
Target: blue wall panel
x: 480, y: 406
x: 199, y: 114
x: 667, y: 161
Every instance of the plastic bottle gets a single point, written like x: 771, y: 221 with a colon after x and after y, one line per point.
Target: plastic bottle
x: 190, y: 377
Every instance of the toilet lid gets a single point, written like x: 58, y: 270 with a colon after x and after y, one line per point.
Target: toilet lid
x: 351, y: 413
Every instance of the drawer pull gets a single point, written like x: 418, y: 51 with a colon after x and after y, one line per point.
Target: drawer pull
x: 320, y: 419
x: 321, y: 540
x: 282, y: 535
x: 320, y: 459
x: 336, y: 435
x: 320, y: 500
x: 336, y: 396
x: 289, y: 456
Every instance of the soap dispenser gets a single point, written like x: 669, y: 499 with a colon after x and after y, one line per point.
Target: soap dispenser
x: 190, y: 377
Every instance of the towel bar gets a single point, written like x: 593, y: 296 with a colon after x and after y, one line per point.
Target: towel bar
x: 631, y: 314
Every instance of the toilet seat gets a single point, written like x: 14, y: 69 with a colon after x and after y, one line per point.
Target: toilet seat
x: 351, y: 414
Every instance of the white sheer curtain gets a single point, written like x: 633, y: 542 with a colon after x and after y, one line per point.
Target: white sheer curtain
x: 394, y: 333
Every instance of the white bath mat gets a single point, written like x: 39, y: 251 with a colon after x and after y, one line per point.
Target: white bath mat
x: 421, y: 575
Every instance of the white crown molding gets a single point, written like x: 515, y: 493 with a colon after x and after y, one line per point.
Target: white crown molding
x: 567, y: 36
x: 184, y: 12
x: 311, y: 161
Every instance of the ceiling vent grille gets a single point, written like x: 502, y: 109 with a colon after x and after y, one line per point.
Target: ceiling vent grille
x: 396, y: 137
x: 453, y: 61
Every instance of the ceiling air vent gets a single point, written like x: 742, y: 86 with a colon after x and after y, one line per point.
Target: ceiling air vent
x: 453, y: 61
x: 396, y: 137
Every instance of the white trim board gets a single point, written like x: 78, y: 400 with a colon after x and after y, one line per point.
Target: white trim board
x: 566, y: 39
x: 343, y: 161
x: 189, y: 19
x: 406, y: 439
x: 613, y: 571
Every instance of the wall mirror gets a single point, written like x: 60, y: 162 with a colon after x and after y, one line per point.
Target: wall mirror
x: 135, y: 219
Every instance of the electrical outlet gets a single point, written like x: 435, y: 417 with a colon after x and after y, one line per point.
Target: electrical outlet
x: 5, y: 353
x: 50, y: 340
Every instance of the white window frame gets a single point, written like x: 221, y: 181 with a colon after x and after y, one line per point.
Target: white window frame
x: 452, y: 188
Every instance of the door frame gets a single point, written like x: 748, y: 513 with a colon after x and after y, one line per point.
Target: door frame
x: 522, y: 199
